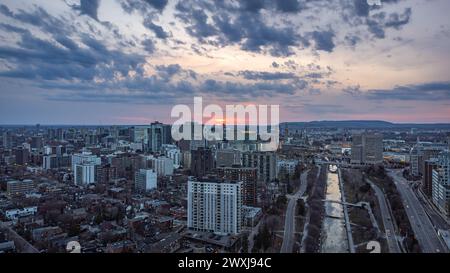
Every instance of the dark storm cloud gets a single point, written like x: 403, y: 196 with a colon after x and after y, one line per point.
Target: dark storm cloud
x: 86, y: 65
x: 158, y: 30
x: 251, y: 32
x: 324, y: 40
x: 148, y: 45
x: 378, y: 23
x: 242, y: 23
x: 433, y: 91
x: 249, y: 90
x: 89, y: 8
x: 143, y: 6
x: 64, y: 58
x: 157, y: 4
x: 38, y: 18
x: 288, y: 5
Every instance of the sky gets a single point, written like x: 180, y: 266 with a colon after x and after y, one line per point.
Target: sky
x: 131, y: 61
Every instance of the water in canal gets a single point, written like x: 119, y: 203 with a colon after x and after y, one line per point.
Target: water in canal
x: 334, y: 236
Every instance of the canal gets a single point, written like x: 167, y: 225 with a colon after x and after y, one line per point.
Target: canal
x: 334, y: 236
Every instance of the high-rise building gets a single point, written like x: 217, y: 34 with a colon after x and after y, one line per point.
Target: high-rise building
x: 202, y: 162
x: 228, y: 157
x: 167, y: 133
x: 84, y: 173
x: 422, y: 152
x: 106, y: 173
x: 85, y: 157
x: 7, y: 140
x: 22, y: 156
x: 441, y: 183
x: 60, y: 134
x: 245, y: 174
x: 175, y: 155
x: 427, y: 180
x: 156, y: 137
x: 367, y: 148
x: 145, y: 180
x: 162, y: 165
x: 264, y: 162
x: 415, y: 156
x: 215, y: 206
x: 139, y: 134
x: 36, y: 142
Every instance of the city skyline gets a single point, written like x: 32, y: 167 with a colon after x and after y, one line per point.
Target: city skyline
x: 129, y: 61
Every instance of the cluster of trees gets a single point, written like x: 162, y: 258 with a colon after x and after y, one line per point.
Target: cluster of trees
x: 317, y: 210
x: 263, y: 240
x: 398, y: 210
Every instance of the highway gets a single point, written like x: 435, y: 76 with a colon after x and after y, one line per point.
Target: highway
x: 389, y: 227
x: 289, y: 222
x: 423, y: 228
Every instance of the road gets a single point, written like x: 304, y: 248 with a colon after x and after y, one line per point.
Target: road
x: 289, y: 222
x: 389, y: 227
x: 423, y: 228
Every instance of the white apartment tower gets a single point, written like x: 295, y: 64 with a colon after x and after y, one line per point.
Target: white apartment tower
x: 215, y: 206
x: 441, y: 184
x: 145, y: 180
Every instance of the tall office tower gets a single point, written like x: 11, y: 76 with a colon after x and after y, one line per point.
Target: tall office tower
x: 441, y: 183
x: 51, y: 133
x: 245, y: 174
x: 36, y: 142
x: 215, y: 206
x: 427, y: 154
x: 145, y: 180
x: 91, y: 138
x: 139, y: 134
x: 202, y: 162
x: 84, y: 173
x: 22, y: 156
x: 367, y: 148
x: 415, y: 160
x: 228, y: 158
x: 7, y: 140
x: 156, y: 136
x: 167, y: 133
x: 427, y: 180
x: 264, y: 162
x: 60, y: 134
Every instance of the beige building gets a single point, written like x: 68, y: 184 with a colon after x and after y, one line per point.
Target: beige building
x: 367, y: 148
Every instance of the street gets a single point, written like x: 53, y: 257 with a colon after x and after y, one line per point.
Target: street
x: 389, y: 228
x: 289, y: 223
x: 423, y: 228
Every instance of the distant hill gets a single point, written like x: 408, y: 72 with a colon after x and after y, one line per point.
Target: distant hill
x: 363, y: 124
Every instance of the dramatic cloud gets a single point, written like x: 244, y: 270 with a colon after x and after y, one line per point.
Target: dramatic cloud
x: 89, y: 8
x: 325, y: 56
x: 158, y: 30
x: 433, y: 91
